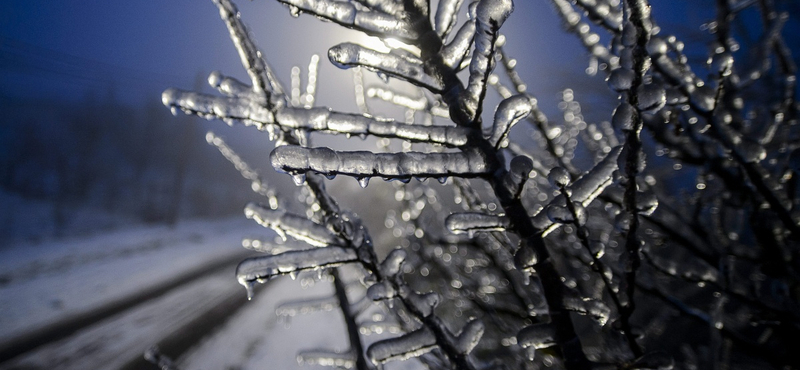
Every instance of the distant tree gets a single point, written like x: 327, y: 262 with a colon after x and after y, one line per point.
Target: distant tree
x: 570, y: 250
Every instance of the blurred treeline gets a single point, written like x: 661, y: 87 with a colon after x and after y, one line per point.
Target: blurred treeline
x: 68, y: 168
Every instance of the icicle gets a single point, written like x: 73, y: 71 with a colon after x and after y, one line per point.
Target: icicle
x: 490, y: 16
x: 410, y: 345
x: 323, y: 119
x: 470, y: 336
x: 403, y: 66
x: 508, y: 113
x: 470, y: 222
x: 345, y: 360
x: 294, y: 308
x: 243, y: 109
x: 264, y: 268
x: 537, y: 336
x: 362, y: 164
x: 296, y: 226
x: 453, y: 54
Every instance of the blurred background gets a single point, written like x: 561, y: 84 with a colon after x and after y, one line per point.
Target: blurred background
x: 107, y: 200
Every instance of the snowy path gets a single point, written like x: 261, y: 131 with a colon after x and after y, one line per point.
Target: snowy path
x: 45, y: 286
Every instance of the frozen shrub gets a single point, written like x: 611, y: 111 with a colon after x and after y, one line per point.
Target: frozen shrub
x: 550, y: 261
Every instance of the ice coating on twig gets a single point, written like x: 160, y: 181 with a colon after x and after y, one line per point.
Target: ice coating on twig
x: 381, y: 291
x: 257, y: 184
x: 229, y: 86
x: 508, y: 113
x: 401, y: 65
x: 519, y: 170
x: 264, y: 268
x: 446, y: 16
x: 458, y: 48
x: 362, y: 164
x: 470, y: 336
x: 228, y: 109
x: 323, y: 119
x: 346, y: 14
x: 393, y: 262
x: 413, y: 344
x: 584, y: 190
x: 260, y: 73
x: 294, y: 308
x: 537, y: 336
x: 593, y: 308
x: 423, y: 303
x: 471, y: 222
x: 490, y: 16
x: 338, y: 360
x: 298, y: 227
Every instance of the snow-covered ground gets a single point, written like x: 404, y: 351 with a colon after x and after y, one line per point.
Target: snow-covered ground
x: 44, y: 284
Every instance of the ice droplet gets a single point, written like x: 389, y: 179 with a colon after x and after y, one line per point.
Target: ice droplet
x: 623, y: 117
x: 299, y: 178
x: 363, y: 181
x: 621, y: 79
x: 652, y: 97
x: 558, y: 177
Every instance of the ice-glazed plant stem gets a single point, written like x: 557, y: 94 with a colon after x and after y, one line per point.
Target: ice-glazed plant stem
x: 638, y: 24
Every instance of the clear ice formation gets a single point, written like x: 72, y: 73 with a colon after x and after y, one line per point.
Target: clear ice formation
x: 413, y: 344
x: 404, y: 66
x: 298, y: 227
x: 471, y: 222
x: 583, y: 190
x: 490, y: 16
x: 323, y: 119
x: 508, y: 113
x: 363, y: 164
x: 264, y: 268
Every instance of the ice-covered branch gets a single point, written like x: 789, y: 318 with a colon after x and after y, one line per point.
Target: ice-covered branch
x: 584, y: 190
x: 364, y: 165
x: 490, y: 16
x: 226, y: 108
x: 264, y: 268
x: 264, y: 80
x: 454, y: 53
x: 256, y: 183
x: 346, y: 14
x: 508, y: 113
x: 298, y: 227
x: 323, y: 119
x: 471, y: 222
x: 446, y: 16
x: 402, y: 65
